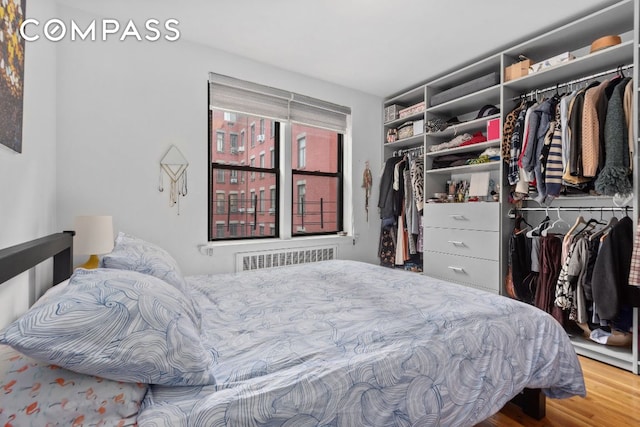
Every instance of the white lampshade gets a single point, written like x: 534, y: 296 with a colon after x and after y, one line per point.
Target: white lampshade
x: 94, y: 235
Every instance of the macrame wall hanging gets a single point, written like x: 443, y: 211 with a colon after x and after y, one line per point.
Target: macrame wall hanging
x: 174, y: 164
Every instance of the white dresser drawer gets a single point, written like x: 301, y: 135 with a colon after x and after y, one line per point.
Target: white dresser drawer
x: 474, y: 272
x: 468, y: 216
x: 471, y: 243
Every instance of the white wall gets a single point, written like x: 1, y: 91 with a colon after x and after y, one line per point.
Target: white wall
x: 121, y: 104
x: 27, y: 180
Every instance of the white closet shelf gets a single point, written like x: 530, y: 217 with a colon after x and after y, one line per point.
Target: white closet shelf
x: 613, y: 19
x: 468, y: 103
x: 480, y: 167
x: 394, y: 123
x: 405, y: 142
x: 468, y: 126
x: 407, y: 98
x: 582, y: 66
x: 617, y: 356
x: 466, y: 148
x: 467, y: 73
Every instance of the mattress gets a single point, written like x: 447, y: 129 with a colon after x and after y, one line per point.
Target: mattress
x: 345, y: 343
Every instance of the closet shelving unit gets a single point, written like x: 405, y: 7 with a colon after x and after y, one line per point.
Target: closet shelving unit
x: 406, y: 99
x: 576, y: 37
x: 461, y: 240
x: 467, y: 243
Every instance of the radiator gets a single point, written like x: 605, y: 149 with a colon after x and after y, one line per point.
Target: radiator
x: 279, y: 257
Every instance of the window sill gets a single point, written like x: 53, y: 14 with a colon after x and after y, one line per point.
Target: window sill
x: 267, y: 244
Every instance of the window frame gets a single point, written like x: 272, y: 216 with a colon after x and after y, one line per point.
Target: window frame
x: 339, y: 175
x: 215, y: 169
x: 229, y: 94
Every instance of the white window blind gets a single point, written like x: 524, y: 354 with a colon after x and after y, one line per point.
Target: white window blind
x: 228, y: 93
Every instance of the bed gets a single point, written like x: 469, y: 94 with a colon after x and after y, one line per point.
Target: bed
x: 332, y: 343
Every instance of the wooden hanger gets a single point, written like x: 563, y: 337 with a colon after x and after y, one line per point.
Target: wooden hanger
x: 579, y: 220
x: 589, y: 225
x: 612, y: 221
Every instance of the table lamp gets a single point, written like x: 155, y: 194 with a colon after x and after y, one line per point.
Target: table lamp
x: 94, y: 236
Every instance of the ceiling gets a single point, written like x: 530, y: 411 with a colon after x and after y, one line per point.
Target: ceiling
x: 374, y: 46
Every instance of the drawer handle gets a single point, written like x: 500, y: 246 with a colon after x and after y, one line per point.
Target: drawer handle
x: 457, y: 243
x: 458, y: 217
x: 456, y: 269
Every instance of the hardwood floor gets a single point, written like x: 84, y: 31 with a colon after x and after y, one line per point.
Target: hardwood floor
x: 613, y: 399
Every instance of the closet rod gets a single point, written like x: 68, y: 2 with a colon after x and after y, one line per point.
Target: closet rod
x: 576, y: 209
x: 407, y: 150
x: 572, y: 82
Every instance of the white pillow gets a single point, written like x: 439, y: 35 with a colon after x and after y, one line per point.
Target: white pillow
x: 117, y: 324
x: 51, y: 292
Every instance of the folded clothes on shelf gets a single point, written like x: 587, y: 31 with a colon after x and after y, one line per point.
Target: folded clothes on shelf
x: 477, y: 138
x: 451, y: 160
x: 455, y: 142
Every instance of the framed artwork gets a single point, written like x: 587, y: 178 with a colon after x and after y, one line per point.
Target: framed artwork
x: 11, y: 73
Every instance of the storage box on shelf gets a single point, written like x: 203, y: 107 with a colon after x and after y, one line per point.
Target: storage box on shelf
x: 518, y: 69
x: 391, y: 112
x: 405, y: 130
x: 400, y: 131
x: 412, y: 110
x: 493, y: 129
x: 554, y: 61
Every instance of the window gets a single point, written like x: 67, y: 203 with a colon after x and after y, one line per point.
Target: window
x: 302, y: 191
x: 233, y: 202
x: 220, y: 229
x: 304, y: 133
x: 220, y: 202
x: 252, y: 162
x: 233, y: 143
x: 318, y: 182
x: 302, y: 152
x: 229, y: 117
x: 253, y: 134
x: 262, y: 132
x: 261, y: 199
x: 220, y: 140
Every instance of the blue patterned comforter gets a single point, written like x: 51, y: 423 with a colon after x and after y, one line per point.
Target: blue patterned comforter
x: 343, y: 343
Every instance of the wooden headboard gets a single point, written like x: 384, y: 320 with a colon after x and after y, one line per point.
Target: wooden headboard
x: 20, y: 258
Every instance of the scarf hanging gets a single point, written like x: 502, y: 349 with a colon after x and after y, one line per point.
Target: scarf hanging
x: 367, y: 182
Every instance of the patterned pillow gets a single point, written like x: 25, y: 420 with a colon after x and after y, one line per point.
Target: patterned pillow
x: 36, y: 393
x: 132, y: 253
x: 117, y: 324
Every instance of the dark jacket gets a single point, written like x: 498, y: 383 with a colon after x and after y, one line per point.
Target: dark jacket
x: 611, y: 271
x: 386, y: 196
